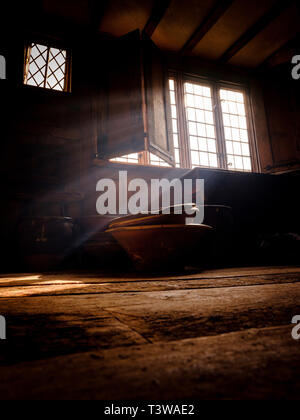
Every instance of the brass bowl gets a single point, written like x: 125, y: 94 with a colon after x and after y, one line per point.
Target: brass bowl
x: 156, y: 218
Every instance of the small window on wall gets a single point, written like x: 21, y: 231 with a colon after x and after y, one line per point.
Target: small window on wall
x: 47, y: 67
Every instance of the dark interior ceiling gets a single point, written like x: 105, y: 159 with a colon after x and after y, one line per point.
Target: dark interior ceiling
x: 244, y: 33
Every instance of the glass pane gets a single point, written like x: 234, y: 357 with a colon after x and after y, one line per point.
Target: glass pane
x: 245, y: 149
x: 56, y: 72
x: 174, y: 112
x: 173, y: 100
x: 194, y: 143
x: 195, y: 158
x: 247, y: 164
x: 212, y: 146
x: 229, y: 147
x: 235, y: 129
x: 201, y: 125
x: 175, y: 129
x: 37, y: 65
x: 204, y: 160
x: 209, y: 118
x: 201, y: 129
x: 132, y: 158
x: 156, y: 161
x: 200, y: 116
x: 176, y: 141
x: 202, y: 144
x: 189, y: 88
x: 213, y: 161
x: 191, y: 114
x: 210, y: 131
x: 190, y: 100
x: 192, y: 129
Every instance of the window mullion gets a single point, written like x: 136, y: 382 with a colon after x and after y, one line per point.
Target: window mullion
x: 144, y: 158
x: 252, y: 136
x: 27, y: 61
x: 219, y: 128
x: 183, y: 124
x: 47, y: 67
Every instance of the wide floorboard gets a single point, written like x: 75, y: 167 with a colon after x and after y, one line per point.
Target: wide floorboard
x: 215, y: 334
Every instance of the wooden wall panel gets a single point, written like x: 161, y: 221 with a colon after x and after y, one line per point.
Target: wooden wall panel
x: 281, y: 102
x: 158, y: 107
x: 123, y: 130
x: 264, y: 147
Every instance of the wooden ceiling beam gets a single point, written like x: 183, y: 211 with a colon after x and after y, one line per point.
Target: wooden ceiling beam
x: 287, y: 51
x: 258, y: 27
x: 217, y: 11
x: 159, y: 9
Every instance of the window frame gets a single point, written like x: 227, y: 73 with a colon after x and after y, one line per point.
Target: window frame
x: 144, y: 159
x: 48, y: 44
x: 215, y: 85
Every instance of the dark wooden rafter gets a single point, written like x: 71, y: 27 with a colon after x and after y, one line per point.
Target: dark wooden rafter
x: 159, y: 9
x: 289, y: 49
x: 258, y: 27
x: 217, y: 11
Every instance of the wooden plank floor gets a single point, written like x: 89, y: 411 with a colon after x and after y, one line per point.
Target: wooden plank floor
x: 216, y: 334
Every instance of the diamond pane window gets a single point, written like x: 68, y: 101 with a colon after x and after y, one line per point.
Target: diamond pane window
x: 46, y: 67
